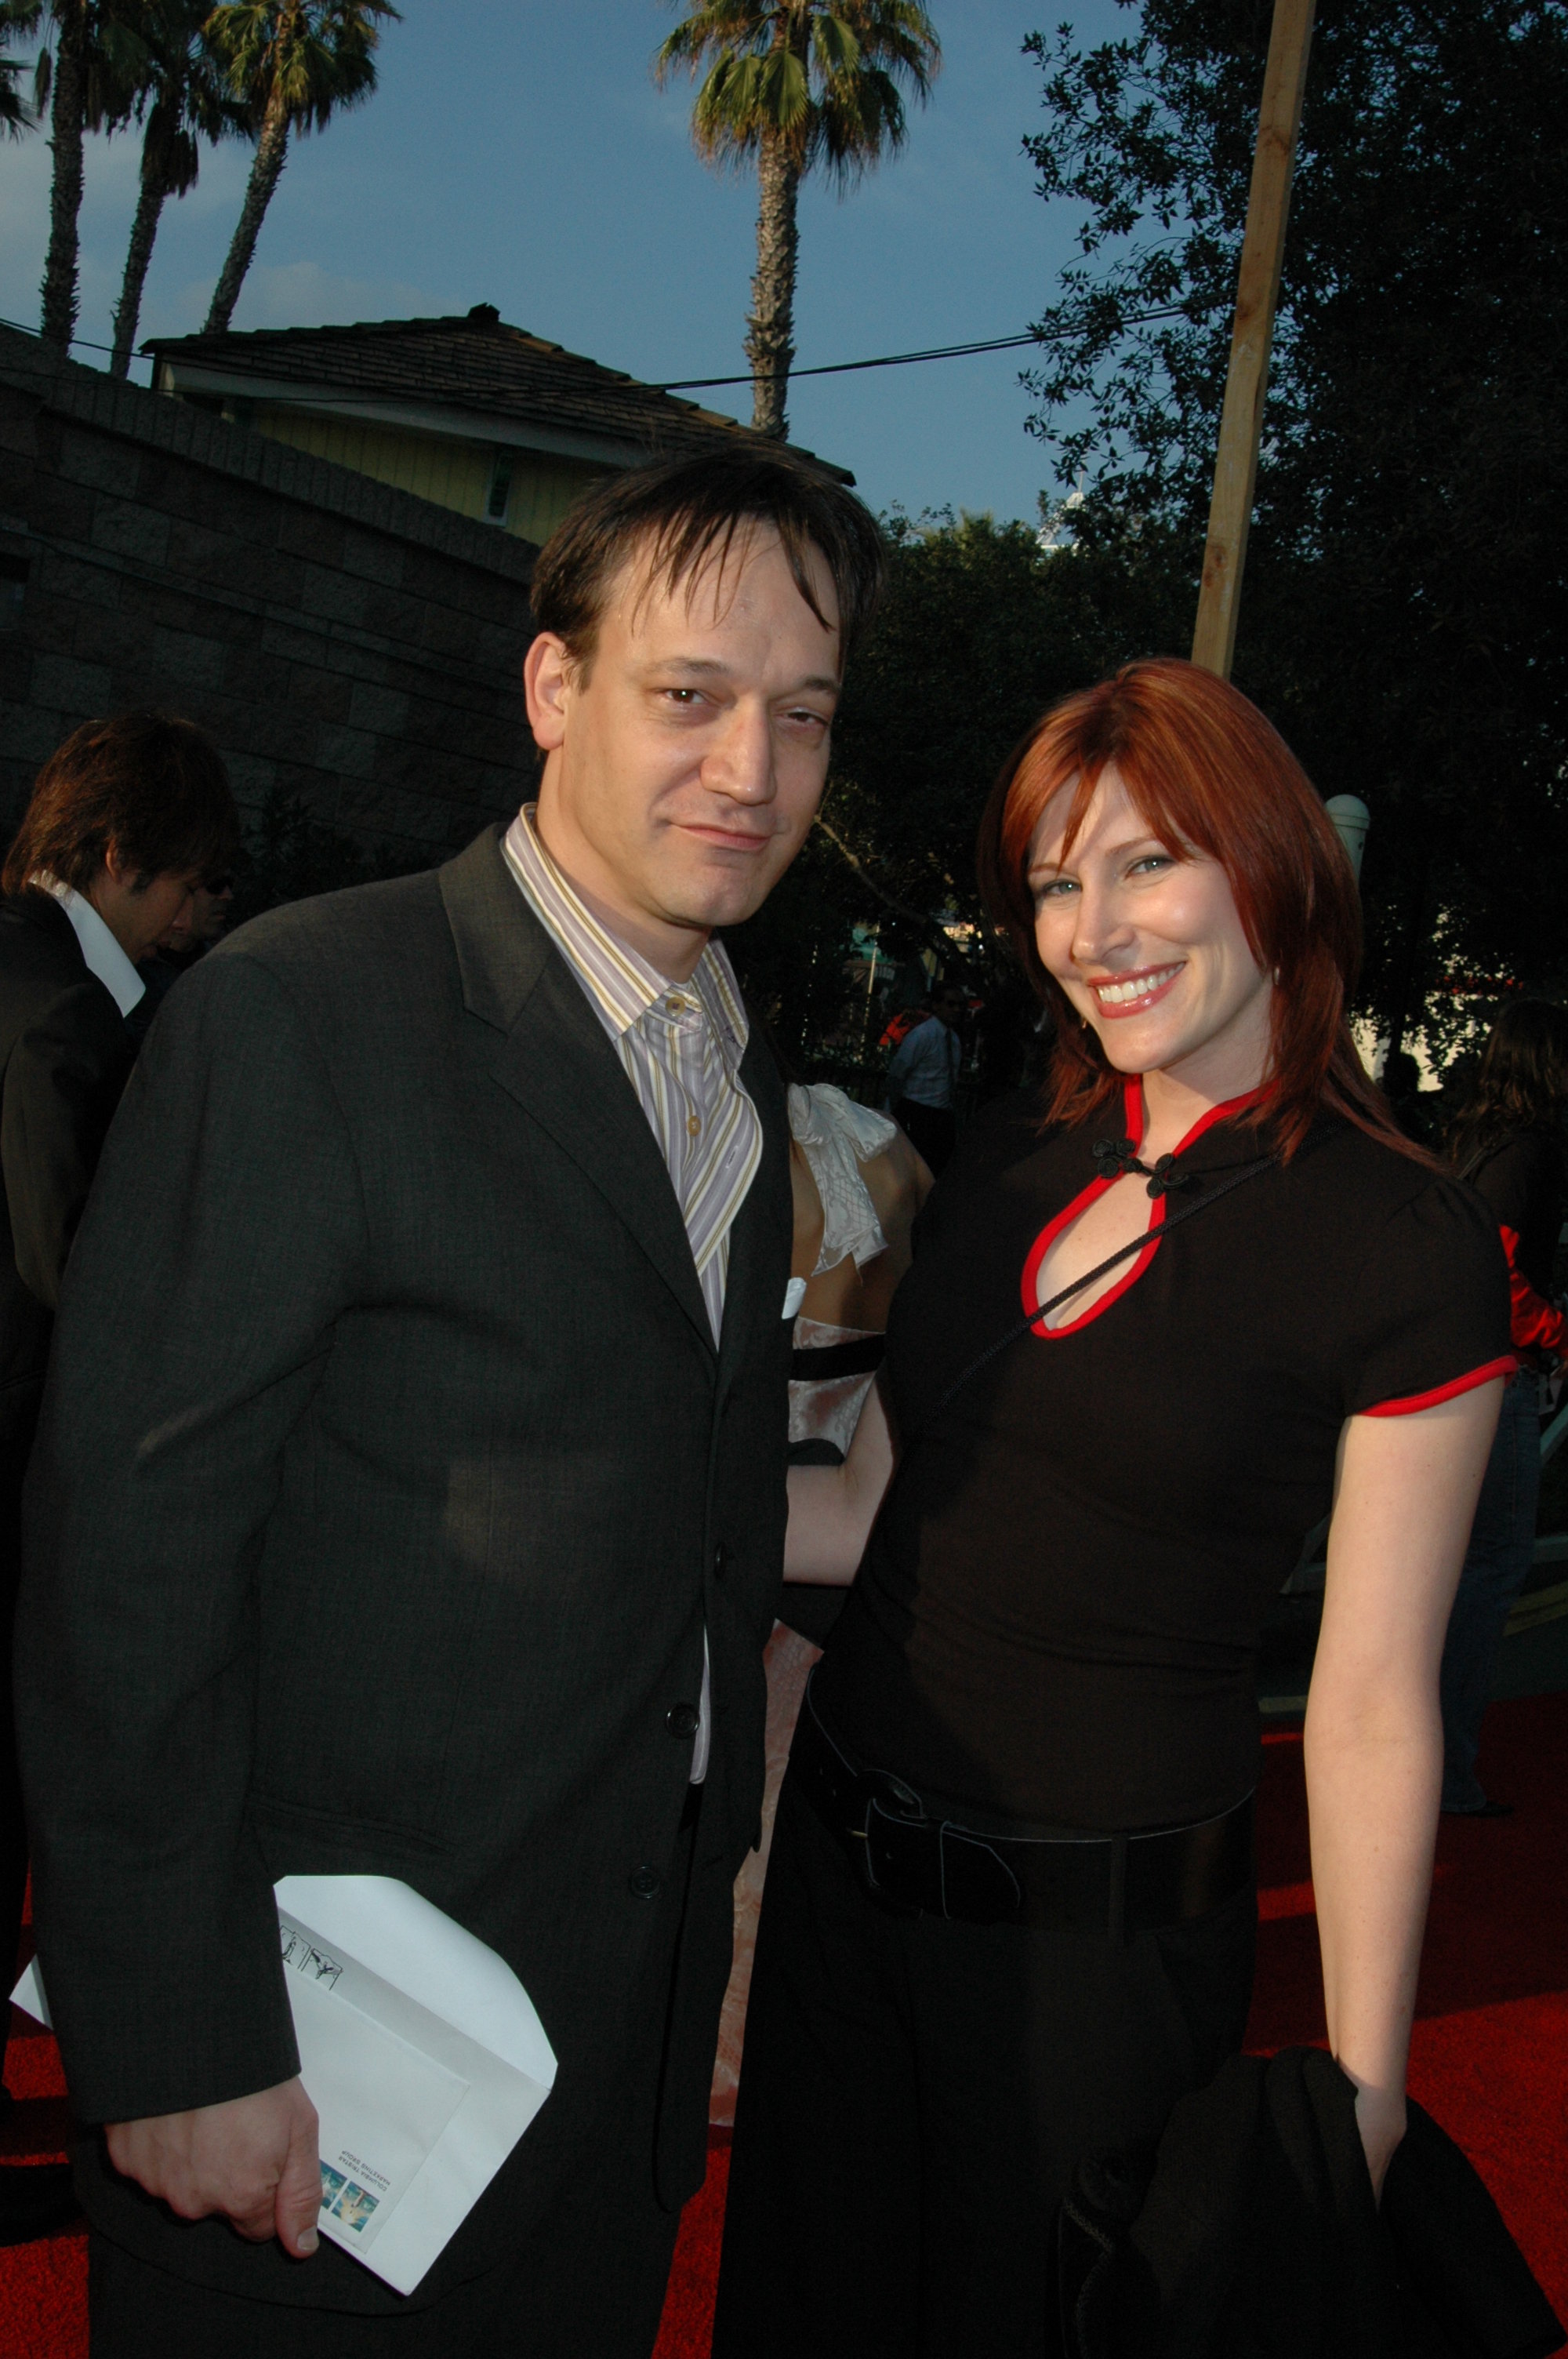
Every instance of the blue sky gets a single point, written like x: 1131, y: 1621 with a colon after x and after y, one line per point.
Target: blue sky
x: 518, y: 153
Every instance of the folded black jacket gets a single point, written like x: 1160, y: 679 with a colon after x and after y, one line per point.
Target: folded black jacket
x: 1252, y: 2233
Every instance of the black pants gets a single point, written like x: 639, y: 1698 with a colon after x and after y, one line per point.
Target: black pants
x: 14, y: 1455
x: 916, y: 2094
x: 931, y: 1131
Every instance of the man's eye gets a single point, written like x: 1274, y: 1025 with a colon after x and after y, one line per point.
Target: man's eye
x: 685, y: 696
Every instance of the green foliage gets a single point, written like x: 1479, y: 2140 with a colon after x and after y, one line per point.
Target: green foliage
x: 289, y: 856
x: 312, y: 57
x: 822, y: 75
x: 1401, y: 618
x: 18, y: 20
x: 984, y: 627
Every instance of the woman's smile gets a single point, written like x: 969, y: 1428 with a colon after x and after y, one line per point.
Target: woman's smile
x: 1129, y: 995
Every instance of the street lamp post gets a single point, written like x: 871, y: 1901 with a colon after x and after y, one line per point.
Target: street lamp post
x: 1351, y: 820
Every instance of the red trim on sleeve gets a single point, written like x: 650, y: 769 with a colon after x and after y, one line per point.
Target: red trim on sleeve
x: 1415, y: 1401
x: 1533, y: 1322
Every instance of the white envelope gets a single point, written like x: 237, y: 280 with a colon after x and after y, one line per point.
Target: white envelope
x: 420, y: 2050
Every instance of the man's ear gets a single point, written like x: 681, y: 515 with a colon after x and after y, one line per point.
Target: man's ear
x: 548, y: 678
x: 120, y: 870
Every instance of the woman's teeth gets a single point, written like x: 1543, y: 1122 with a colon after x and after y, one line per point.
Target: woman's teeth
x: 1118, y: 995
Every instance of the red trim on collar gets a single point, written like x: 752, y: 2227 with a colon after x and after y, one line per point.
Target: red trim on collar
x: 1132, y: 1112
x: 1414, y: 1402
x: 1047, y: 1237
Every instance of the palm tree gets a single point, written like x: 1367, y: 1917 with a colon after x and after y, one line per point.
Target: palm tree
x: 797, y: 84
x: 91, y: 84
x: 291, y: 64
x: 18, y: 19
x: 185, y: 100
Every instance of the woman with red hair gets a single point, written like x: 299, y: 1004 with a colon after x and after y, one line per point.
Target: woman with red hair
x: 1155, y: 1323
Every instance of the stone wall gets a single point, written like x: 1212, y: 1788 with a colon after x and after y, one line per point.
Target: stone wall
x: 345, y: 642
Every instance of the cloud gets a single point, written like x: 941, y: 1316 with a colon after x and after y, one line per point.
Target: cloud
x: 302, y: 295
x: 305, y: 295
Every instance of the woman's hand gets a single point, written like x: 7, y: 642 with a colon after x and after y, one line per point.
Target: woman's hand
x: 1404, y: 1496
x: 832, y: 1509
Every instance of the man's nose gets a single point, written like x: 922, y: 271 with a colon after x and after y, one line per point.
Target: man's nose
x: 742, y: 763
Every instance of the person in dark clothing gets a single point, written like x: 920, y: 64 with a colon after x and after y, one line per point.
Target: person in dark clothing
x: 923, y: 1077
x: 1414, y: 1109
x: 418, y: 1406
x: 123, y: 821
x: 1009, y: 1920
x: 188, y: 940
x: 1507, y: 1141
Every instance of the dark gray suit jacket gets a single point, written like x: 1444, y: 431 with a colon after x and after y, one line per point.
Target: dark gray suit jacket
x: 386, y: 1481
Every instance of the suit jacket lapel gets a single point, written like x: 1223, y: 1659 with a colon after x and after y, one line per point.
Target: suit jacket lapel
x: 554, y: 1057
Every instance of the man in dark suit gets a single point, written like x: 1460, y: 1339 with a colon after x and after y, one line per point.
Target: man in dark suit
x: 123, y: 820
x: 409, y: 1495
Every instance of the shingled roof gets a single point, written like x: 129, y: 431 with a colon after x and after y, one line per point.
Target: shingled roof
x: 472, y: 363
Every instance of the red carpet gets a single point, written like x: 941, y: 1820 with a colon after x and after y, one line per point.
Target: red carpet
x: 1490, y: 2056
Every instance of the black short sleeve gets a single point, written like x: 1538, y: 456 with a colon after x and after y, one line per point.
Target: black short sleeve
x: 1431, y: 1311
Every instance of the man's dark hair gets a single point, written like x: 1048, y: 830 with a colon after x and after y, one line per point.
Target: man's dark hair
x: 152, y: 787
x: 687, y: 510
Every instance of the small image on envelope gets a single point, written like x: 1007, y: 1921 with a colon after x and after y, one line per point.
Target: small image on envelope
x: 332, y: 2185
x: 354, y: 2206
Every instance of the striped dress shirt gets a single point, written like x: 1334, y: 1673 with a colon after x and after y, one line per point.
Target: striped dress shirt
x: 680, y: 1045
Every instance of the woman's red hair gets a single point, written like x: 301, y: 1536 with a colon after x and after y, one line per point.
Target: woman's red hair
x: 1208, y: 773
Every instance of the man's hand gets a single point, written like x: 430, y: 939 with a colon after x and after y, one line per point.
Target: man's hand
x: 253, y: 2159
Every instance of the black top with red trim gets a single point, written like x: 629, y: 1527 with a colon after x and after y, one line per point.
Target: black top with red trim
x: 1521, y: 1183
x: 1058, y: 1616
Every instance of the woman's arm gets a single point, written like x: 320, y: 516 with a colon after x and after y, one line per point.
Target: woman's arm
x: 1404, y: 1495
x: 832, y: 1509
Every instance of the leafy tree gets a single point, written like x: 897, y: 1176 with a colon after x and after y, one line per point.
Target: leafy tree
x: 985, y: 625
x: 290, y: 856
x: 796, y: 86
x: 1401, y: 614
x: 90, y: 83
x: 291, y: 65
x: 183, y: 101
x: 19, y: 18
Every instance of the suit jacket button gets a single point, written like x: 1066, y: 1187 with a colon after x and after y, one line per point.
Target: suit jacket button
x: 681, y: 1720
x: 644, y: 1883
x: 721, y: 1562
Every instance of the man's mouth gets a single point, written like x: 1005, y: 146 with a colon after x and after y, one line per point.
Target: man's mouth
x: 1129, y: 995
x: 730, y: 839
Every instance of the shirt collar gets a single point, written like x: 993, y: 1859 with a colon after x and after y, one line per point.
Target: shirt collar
x: 102, y: 952
x: 620, y: 984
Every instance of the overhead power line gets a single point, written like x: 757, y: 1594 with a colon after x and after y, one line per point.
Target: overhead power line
x: 827, y: 368
x: 904, y: 359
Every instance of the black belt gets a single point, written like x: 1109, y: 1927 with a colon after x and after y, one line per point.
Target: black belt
x: 914, y: 1862
x: 815, y: 1363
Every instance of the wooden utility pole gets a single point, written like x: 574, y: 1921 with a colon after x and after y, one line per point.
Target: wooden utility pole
x: 1257, y: 291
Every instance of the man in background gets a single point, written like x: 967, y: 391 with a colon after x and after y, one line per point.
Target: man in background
x: 192, y: 935
x: 124, y: 822
x: 922, y: 1076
